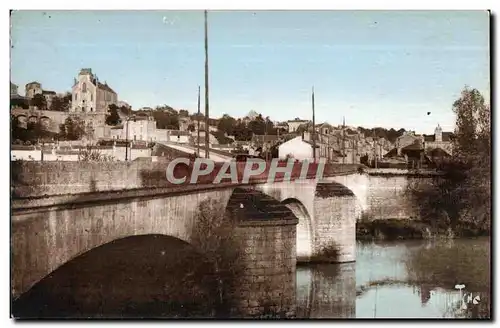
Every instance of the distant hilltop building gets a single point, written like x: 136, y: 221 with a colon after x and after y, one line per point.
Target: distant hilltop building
x: 122, y: 103
x: 13, y: 89
x: 34, y: 88
x: 90, y: 95
x: 293, y: 125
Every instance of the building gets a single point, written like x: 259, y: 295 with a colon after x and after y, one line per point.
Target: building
x: 122, y: 103
x: 179, y: 136
x: 35, y: 88
x: 13, y: 89
x: 252, y: 115
x: 32, y: 89
x: 440, y: 140
x: 293, y: 125
x: 49, y: 96
x: 296, y: 148
x: 89, y: 95
x: 324, y: 128
x: 261, y: 140
x: 142, y: 128
x: 408, y: 138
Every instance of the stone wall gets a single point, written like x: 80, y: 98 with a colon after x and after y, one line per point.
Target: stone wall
x: 335, y: 217
x: 388, y: 198
x: 57, y: 178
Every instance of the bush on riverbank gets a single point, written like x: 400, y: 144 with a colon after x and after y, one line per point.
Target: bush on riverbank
x: 394, y: 229
x: 328, y: 254
x: 391, y: 229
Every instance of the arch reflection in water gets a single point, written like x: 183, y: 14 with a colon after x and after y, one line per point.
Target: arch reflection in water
x: 326, y: 291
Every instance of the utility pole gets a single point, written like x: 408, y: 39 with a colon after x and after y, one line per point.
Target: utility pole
x: 314, y: 128
x: 198, y: 119
x: 374, y: 149
x: 343, y: 140
x: 264, y: 144
x: 207, y: 135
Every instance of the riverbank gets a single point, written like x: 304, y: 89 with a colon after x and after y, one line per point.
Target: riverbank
x: 394, y: 229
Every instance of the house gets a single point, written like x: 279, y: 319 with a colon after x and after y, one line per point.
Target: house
x: 260, y: 140
x: 324, y: 128
x: 281, y: 127
x: 293, y: 125
x: 441, y: 140
x: 296, y: 148
x: 142, y: 127
x: 49, y: 96
x: 179, y: 136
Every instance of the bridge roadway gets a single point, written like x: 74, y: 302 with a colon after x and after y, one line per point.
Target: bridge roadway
x: 190, y: 150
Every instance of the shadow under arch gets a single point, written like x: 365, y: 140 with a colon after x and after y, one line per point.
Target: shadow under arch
x: 137, y: 276
x: 305, y: 234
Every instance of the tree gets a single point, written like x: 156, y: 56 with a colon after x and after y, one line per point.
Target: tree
x: 39, y: 101
x: 213, y: 236
x: 226, y: 124
x: 191, y: 127
x: 461, y: 199
x: 242, y: 132
x: 183, y: 113
x: 166, y: 120
x: 472, y: 125
x: 61, y: 104
x: 258, y: 125
x: 72, y: 129
x: 112, y: 118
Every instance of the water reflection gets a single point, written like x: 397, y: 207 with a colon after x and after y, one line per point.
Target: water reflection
x: 326, y: 291
x: 403, y: 279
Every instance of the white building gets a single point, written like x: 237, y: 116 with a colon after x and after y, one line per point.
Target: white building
x: 296, y: 148
x: 142, y: 128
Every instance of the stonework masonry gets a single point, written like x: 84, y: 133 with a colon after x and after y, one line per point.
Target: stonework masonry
x: 268, y: 284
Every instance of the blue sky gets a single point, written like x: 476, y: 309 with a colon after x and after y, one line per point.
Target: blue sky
x: 375, y: 68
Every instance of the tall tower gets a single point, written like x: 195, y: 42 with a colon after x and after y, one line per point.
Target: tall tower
x: 438, y: 134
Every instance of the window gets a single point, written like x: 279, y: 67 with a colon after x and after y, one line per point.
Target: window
x: 91, y: 109
x: 84, y: 87
x: 76, y: 96
x: 91, y: 97
x: 135, y: 137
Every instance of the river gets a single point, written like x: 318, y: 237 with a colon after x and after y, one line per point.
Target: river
x: 140, y: 277
x: 400, y: 279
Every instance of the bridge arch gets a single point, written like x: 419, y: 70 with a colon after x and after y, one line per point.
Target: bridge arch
x: 23, y: 120
x: 45, y: 122
x: 33, y: 119
x: 305, y: 232
x: 137, y: 275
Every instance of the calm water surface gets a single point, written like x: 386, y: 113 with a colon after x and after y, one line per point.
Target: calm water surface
x: 400, y: 279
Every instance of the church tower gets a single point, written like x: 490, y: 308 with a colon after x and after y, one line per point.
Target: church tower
x: 438, y: 134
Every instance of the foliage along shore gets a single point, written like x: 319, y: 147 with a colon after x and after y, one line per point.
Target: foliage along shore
x: 398, y: 229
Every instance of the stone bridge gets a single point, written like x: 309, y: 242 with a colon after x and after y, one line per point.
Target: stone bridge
x: 59, y: 213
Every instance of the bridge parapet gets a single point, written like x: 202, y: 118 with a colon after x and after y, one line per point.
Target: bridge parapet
x: 36, y: 179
